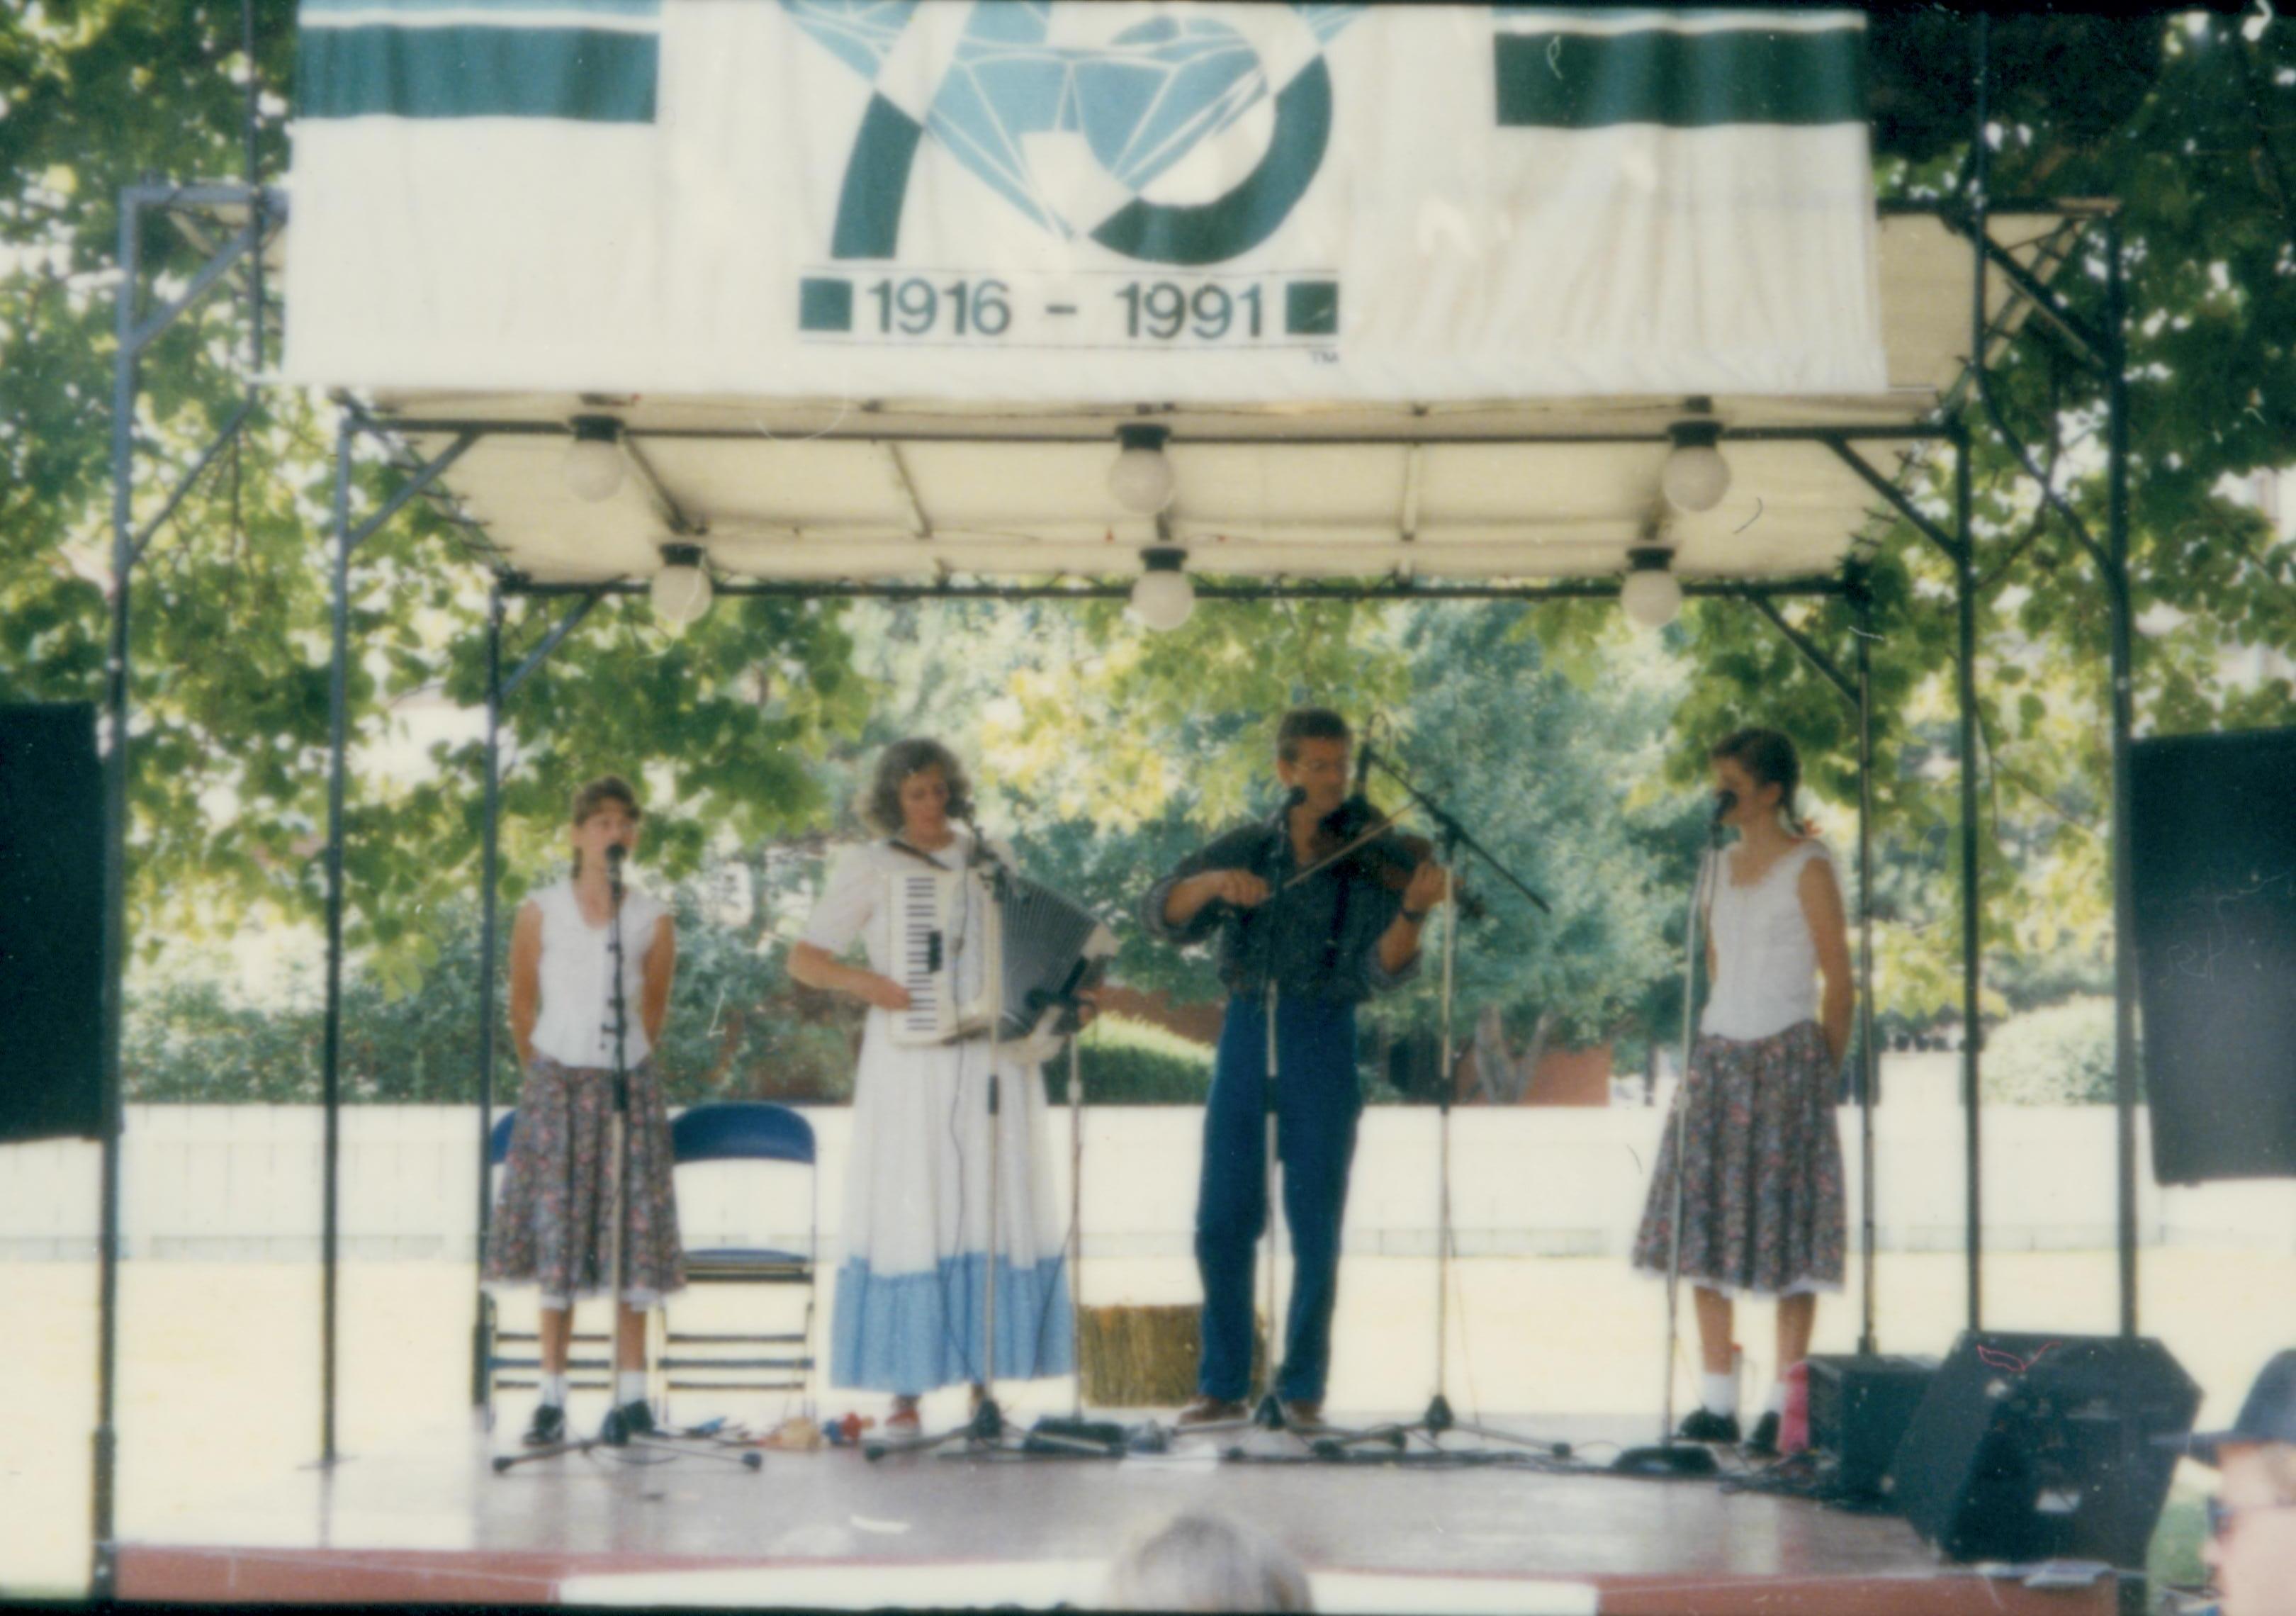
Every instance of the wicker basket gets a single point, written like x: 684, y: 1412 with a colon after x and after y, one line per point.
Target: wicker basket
x: 1145, y: 1357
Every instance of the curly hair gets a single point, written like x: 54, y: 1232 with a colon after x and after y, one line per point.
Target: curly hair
x: 882, y: 808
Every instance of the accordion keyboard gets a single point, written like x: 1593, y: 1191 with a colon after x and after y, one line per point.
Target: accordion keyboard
x: 920, y: 946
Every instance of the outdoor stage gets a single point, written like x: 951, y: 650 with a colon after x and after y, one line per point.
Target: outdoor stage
x: 431, y: 1521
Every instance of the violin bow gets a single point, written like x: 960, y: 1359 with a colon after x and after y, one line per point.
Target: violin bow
x: 1371, y: 835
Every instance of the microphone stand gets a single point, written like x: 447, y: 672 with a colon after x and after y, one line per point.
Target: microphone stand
x: 669, y: 1444
x: 1672, y: 1456
x: 1076, y: 1215
x: 1438, y: 1418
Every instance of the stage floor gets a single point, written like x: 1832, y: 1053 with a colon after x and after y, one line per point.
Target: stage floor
x: 431, y: 1520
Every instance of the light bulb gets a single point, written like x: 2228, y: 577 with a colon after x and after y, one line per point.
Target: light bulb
x: 1696, y: 478
x: 593, y: 466
x: 1163, y: 598
x: 1141, y: 480
x: 681, y: 589
x: 1651, y: 597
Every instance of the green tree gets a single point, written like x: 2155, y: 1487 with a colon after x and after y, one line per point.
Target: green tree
x: 751, y: 725
x: 1542, y: 768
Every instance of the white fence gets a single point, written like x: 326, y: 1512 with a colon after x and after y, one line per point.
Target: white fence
x: 243, y: 1182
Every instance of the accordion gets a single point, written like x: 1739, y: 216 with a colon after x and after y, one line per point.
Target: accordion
x: 948, y: 926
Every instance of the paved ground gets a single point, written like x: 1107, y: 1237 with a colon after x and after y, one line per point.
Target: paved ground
x: 219, y: 1368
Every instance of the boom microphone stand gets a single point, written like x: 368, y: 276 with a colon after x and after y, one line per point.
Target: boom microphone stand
x: 671, y: 1444
x: 1671, y: 1456
x: 1438, y: 1418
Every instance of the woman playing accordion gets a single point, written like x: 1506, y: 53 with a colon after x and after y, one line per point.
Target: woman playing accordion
x: 908, y: 1317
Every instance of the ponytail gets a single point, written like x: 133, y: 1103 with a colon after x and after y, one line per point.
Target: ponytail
x: 1769, y: 759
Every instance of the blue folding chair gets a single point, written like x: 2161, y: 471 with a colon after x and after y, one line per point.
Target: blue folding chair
x: 756, y: 1131
x: 514, y: 1358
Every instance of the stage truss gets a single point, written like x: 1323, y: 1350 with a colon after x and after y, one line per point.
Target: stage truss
x: 875, y: 498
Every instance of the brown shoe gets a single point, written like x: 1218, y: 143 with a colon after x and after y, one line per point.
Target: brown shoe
x: 1304, y: 1414
x: 1211, y: 1411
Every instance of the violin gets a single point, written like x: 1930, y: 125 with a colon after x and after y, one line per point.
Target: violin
x: 1358, y: 840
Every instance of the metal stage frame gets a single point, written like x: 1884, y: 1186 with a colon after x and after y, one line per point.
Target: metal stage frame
x: 264, y: 211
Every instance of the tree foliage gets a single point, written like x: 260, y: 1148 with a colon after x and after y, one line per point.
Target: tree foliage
x: 1112, y: 749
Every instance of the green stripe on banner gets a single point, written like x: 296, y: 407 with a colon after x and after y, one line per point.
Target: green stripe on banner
x: 1687, y: 80
x: 589, y: 75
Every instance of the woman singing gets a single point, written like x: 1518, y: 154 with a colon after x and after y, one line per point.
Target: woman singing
x: 908, y: 1310
x: 554, y: 1227
x: 1761, y: 1192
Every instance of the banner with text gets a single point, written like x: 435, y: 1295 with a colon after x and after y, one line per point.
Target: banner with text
x: 1080, y: 201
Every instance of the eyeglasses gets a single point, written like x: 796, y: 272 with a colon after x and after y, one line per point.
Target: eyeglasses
x: 2222, y: 1517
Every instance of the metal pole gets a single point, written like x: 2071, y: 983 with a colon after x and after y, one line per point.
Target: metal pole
x: 256, y: 200
x: 1869, y: 1060
x: 1964, y: 587
x: 2124, y: 901
x: 115, y: 898
x: 338, y: 709
x: 1679, y: 1124
x: 1438, y: 1411
x: 1076, y: 1213
x: 1567, y: 590
x: 1964, y: 573
x: 482, y: 1326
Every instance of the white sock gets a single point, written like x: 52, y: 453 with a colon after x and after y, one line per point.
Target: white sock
x: 1719, y: 1393
x: 1776, y: 1403
x: 554, y: 1390
x: 629, y: 1386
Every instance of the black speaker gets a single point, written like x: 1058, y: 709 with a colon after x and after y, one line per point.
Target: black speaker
x: 2042, y: 1446
x: 1859, y: 1407
x: 51, y: 923
x: 2212, y: 863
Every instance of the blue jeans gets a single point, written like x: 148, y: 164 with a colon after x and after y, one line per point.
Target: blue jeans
x: 1317, y: 1100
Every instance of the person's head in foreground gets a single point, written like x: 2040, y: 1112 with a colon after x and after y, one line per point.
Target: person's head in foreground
x: 2251, y: 1546
x: 1199, y: 1563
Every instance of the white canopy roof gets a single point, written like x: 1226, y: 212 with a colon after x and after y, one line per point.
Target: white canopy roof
x: 868, y: 489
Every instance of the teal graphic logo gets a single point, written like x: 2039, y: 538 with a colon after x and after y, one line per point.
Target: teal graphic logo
x: 1086, y: 122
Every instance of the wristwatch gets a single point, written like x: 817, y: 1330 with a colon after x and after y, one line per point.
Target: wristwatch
x: 1417, y: 917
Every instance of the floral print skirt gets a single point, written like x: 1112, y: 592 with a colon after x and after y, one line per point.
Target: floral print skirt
x: 553, y: 1225
x: 1762, y: 1205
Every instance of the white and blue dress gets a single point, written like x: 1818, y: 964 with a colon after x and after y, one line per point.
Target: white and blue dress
x: 908, y: 1311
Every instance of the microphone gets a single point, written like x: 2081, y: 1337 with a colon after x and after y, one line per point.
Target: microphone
x: 1724, y: 801
x: 615, y: 853
x: 1364, y: 754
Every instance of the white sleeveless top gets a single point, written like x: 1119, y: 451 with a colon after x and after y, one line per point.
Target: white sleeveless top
x: 574, y: 1027
x: 1765, y: 959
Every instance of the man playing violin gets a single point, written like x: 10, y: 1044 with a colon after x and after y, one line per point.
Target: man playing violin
x: 1326, y: 942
